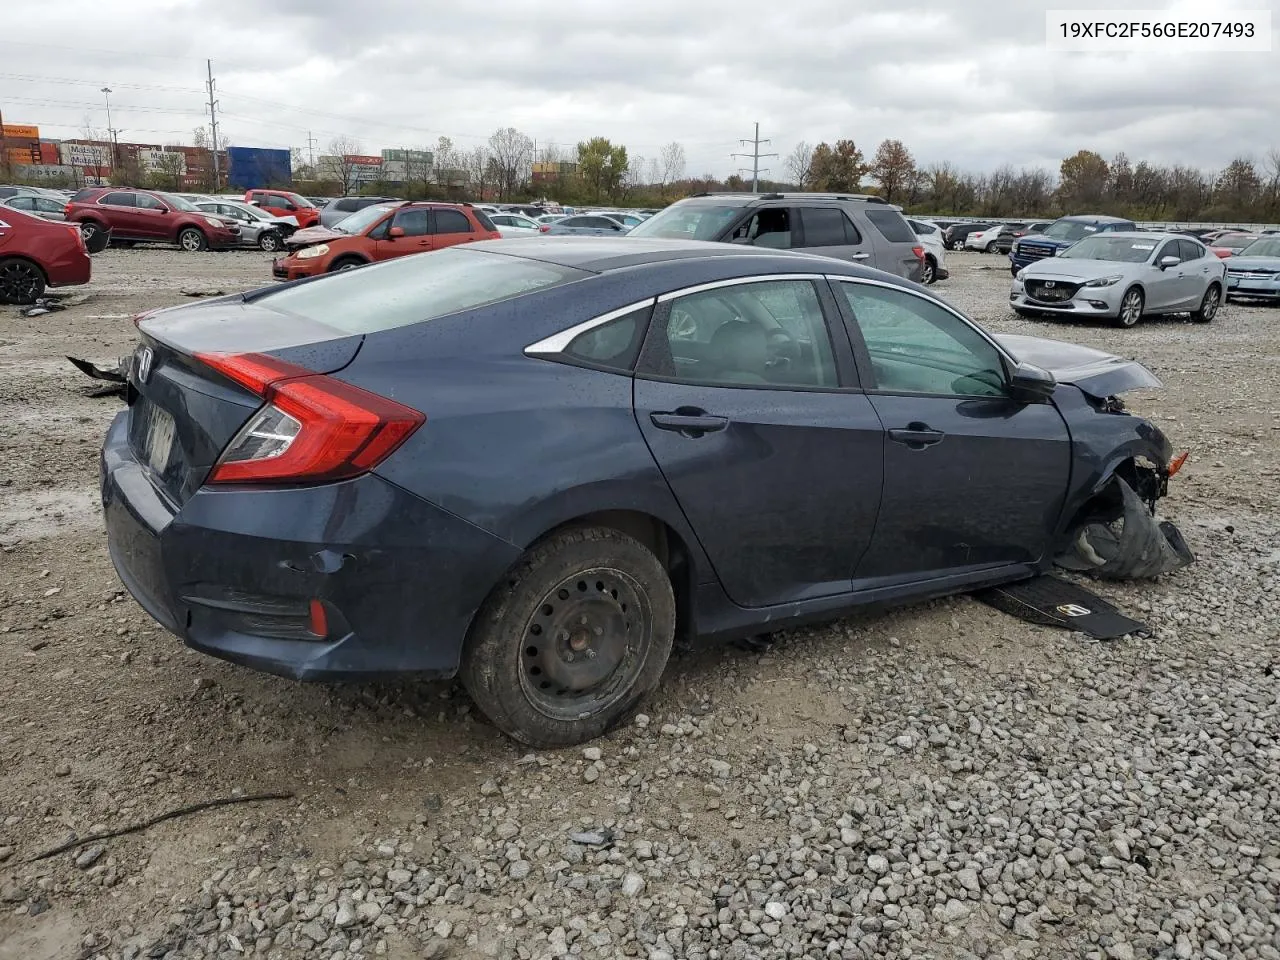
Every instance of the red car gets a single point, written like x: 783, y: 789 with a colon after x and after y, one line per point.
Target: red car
x: 383, y: 231
x: 145, y: 215
x: 1229, y: 244
x: 282, y: 203
x: 37, y: 253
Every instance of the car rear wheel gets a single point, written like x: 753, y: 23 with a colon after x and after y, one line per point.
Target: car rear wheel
x: 96, y: 237
x: 991, y: 247
x: 21, y: 281
x: 1130, y: 308
x: 1209, y: 305
x: 572, y: 638
x: 269, y: 241
x: 928, y: 271
x: 192, y: 240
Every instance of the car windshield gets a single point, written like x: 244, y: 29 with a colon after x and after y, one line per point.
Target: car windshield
x: 396, y: 293
x: 252, y: 211
x: 687, y: 222
x: 1069, y: 230
x: 361, y: 220
x: 178, y: 203
x: 1266, y: 247
x: 1121, y: 249
x: 1235, y: 241
x: 300, y: 201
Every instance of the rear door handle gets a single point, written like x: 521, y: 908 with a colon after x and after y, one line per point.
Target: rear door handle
x: 917, y: 436
x: 860, y: 256
x: 688, y: 424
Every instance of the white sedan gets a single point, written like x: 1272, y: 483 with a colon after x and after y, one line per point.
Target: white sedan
x: 514, y: 224
x: 985, y: 239
x: 935, y: 250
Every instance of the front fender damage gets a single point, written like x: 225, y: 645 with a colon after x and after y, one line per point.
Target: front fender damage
x: 1120, y: 537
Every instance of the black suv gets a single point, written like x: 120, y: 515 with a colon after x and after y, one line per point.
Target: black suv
x: 856, y: 227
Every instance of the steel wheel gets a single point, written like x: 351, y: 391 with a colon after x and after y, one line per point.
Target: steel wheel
x: 582, y: 646
x: 269, y: 242
x: 1130, y: 308
x: 21, y: 281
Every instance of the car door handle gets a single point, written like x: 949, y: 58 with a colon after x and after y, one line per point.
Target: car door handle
x: 917, y: 436
x: 860, y: 256
x: 689, y: 424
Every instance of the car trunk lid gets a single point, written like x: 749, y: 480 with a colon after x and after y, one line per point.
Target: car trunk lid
x: 182, y: 412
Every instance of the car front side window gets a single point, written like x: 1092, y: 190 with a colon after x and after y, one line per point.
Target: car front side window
x: 917, y: 346
x: 767, y: 334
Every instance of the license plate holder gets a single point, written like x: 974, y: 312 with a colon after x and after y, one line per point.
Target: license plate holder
x: 159, y: 440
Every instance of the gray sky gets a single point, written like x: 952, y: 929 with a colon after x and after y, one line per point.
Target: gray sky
x: 969, y: 81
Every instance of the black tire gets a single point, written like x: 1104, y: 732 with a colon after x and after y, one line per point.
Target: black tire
x: 1127, y: 317
x: 345, y: 263
x: 21, y: 281
x: 1208, y: 308
x: 991, y: 247
x: 270, y: 241
x: 96, y: 236
x: 1013, y: 271
x: 521, y: 664
x: 929, y: 271
x: 192, y: 240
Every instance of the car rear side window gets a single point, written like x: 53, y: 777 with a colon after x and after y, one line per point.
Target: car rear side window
x: 452, y: 221
x: 396, y: 293
x: 614, y: 345
x: 118, y: 200
x: 768, y: 227
x: 416, y: 222
x: 1190, y: 250
x: 891, y: 225
x: 827, y: 227
x: 483, y: 219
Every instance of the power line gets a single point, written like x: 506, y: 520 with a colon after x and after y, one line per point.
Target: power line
x: 755, y: 156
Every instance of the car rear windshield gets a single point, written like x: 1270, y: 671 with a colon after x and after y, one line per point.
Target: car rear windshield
x: 687, y: 222
x: 891, y: 224
x: 1121, y: 249
x: 407, y: 290
x: 1070, y: 230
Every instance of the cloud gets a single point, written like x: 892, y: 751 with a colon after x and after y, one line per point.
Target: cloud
x: 970, y: 82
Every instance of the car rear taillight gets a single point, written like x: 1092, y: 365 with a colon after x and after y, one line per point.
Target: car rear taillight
x: 66, y: 211
x: 312, y: 427
x: 919, y: 252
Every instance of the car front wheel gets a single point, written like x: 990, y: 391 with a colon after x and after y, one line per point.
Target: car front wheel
x: 1130, y: 308
x: 269, y: 242
x: 1209, y: 305
x: 192, y: 240
x: 571, y: 639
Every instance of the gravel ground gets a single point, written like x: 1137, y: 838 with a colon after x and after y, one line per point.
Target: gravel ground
x: 939, y: 781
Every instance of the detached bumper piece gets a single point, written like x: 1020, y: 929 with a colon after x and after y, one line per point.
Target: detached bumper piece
x: 1132, y: 545
x: 1052, y: 602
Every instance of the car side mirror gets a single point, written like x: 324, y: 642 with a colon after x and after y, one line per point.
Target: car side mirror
x: 1167, y: 262
x: 1031, y: 384
x: 395, y: 232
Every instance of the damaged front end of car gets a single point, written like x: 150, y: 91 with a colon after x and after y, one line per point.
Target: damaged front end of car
x: 1121, y: 470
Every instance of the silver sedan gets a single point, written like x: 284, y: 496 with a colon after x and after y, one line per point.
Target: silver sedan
x: 39, y: 205
x: 1122, y: 277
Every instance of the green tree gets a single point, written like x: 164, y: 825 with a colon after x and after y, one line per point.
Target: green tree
x: 601, y: 166
x: 838, y: 169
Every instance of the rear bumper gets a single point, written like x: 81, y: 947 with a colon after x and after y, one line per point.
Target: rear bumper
x: 234, y: 572
x: 69, y: 270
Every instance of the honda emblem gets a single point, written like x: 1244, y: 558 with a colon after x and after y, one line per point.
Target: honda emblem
x: 144, y: 359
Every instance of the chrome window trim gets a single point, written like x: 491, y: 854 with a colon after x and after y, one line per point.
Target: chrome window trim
x: 937, y: 303
x: 557, y: 343
x: 737, y: 281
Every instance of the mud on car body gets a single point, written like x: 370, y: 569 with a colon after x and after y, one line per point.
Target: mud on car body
x: 536, y: 463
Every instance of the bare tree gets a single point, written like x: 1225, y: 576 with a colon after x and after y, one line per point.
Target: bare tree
x: 671, y: 163
x: 478, y: 165
x: 170, y: 166
x: 342, y: 152
x: 512, y: 153
x: 447, y: 161
x: 418, y: 170
x: 799, y: 164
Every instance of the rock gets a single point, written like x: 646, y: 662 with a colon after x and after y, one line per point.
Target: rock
x: 63, y: 769
x: 968, y: 879
x: 592, y: 754
x: 90, y: 857
x: 720, y: 769
x: 399, y: 878
x: 877, y: 864
x: 591, y: 775
x: 642, y: 720
x: 368, y: 911
x: 1120, y: 951
x: 632, y: 885
x: 775, y: 910
x: 519, y: 869
x: 444, y: 929
x: 953, y: 911
x: 345, y: 916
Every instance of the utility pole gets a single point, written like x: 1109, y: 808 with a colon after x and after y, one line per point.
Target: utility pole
x: 111, y: 135
x: 213, y: 126
x: 4, y: 150
x: 755, y: 156
x: 311, y: 151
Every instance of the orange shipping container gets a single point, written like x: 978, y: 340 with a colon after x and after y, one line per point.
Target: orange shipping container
x: 21, y: 131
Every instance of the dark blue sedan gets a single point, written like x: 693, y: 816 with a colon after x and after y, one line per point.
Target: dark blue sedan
x: 537, y: 462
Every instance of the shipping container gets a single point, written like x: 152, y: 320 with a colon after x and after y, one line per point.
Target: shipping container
x: 250, y: 167
x: 21, y: 131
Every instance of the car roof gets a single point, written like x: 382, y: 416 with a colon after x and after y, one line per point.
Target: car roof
x: 1095, y: 218
x: 1143, y: 235
x: 605, y: 254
